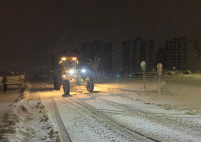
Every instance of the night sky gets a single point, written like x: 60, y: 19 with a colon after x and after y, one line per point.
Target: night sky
x: 32, y: 30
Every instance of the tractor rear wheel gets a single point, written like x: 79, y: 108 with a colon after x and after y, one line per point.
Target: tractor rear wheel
x: 57, y: 83
x: 66, y: 86
x: 89, y: 84
x: 5, y: 88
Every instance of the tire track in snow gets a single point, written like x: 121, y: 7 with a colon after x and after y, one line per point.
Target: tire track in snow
x: 175, y: 123
x: 116, y: 127
x: 62, y: 130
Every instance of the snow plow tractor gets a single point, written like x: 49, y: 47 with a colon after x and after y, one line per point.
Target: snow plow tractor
x: 68, y: 73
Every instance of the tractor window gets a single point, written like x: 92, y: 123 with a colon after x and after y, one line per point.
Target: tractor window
x: 67, y: 65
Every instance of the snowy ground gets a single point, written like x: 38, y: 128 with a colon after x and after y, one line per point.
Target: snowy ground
x: 23, y: 119
x: 118, y: 111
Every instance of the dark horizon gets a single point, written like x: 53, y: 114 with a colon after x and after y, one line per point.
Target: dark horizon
x: 31, y: 31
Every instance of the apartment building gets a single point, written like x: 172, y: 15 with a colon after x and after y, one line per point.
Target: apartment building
x: 182, y: 54
x: 135, y: 51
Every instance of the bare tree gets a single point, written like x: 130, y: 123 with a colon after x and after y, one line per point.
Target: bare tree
x: 95, y: 63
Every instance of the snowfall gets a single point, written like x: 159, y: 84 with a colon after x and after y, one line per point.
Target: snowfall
x: 118, y: 110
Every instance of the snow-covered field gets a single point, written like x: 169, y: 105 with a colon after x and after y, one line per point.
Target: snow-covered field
x: 117, y: 111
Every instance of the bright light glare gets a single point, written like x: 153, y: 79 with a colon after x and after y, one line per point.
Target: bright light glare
x: 63, y: 58
x: 74, y: 58
x: 71, y: 71
x: 64, y: 76
x: 83, y: 70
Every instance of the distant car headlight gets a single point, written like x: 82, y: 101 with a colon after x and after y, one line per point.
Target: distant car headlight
x: 71, y: 71
x: 83, y: 70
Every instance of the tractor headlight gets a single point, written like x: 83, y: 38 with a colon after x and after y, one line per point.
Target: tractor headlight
x: 83, y: 70
x: 71, y: 71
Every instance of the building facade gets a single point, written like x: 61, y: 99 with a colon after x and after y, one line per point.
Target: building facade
x: 182, y: 54
x: 134, y: 52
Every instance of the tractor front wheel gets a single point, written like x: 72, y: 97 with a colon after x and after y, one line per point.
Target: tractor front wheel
x: 66, y: 87
x: 89, y: 84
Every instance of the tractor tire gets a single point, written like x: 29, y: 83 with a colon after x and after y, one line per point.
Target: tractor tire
x: 5, y: 89
x: 66, y: 87
x: 57, y: 83
x: 89, y: 84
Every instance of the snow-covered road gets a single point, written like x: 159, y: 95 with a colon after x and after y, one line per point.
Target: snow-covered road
x: 113, y: 112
